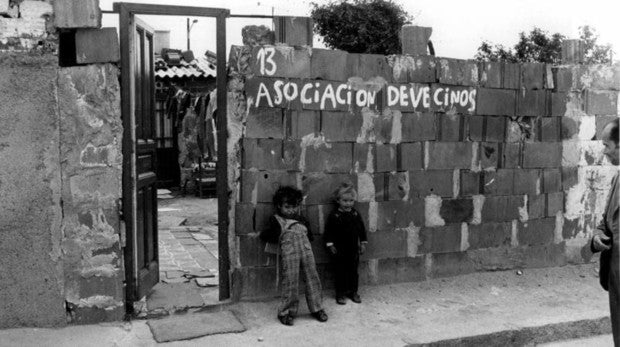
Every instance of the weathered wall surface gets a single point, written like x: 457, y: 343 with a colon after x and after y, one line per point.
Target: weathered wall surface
x: 31, y: 278
x: 60, y: 178
x: 91, y: 157
x: 460, y: 166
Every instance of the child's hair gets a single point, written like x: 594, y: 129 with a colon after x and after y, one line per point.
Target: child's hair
x: 287, y: 195
x: 345, y: 188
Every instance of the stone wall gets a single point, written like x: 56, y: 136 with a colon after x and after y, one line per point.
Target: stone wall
x: 460, y: 166
x: 60, y: 182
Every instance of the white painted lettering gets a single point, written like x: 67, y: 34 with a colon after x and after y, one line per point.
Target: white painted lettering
x: 277, y: 87
x: 339, y: 90
x: 403, y: 96
x: 304, y: 90
x: 263, y: 92
x: 392, y: 95
x: 290, y: 96
x: 328, y: 94
x: 436, y: 96
x: 361, y: 98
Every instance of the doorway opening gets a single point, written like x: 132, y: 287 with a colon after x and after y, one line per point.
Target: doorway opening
x: 175, y: 193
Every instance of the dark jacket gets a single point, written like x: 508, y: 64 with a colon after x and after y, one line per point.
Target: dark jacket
x: 606, y: 228
x: 274, y: 230
x: 345, y: 230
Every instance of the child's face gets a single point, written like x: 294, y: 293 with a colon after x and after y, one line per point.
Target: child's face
x: 288, y: 210
x: 346, y: 201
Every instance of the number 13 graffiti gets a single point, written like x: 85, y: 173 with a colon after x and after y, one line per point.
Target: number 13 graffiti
x: 265, y: 58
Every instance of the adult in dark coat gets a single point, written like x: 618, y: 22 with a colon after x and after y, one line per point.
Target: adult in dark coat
x: 606, y: 237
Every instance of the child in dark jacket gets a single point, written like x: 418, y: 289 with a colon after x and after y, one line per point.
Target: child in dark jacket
x: 345, y: 238
x: 290, y: 235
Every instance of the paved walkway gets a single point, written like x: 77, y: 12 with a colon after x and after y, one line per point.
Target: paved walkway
x: 482, y: 309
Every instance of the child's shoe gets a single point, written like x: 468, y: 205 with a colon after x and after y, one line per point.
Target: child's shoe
x: 356, y: 298
x: 341, y: 300
x: 286, y: 319
x: 321, y: 316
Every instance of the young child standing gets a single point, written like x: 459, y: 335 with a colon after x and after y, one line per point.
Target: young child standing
x: 345, y: 237
x: 290, y: 232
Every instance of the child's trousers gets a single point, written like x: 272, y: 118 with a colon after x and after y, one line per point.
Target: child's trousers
x: 297, y: 256
x: 347, y: 278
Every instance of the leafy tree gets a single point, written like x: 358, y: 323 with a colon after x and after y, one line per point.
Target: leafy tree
x: 539, y: 46
x: 360, y: 26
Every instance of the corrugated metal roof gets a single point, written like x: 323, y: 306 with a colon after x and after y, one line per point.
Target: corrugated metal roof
x: 198, y: 68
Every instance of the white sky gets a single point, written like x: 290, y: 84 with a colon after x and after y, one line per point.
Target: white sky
x: 458, y: 26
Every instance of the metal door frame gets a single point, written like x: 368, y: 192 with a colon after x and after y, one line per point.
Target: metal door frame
x: 126, y: 11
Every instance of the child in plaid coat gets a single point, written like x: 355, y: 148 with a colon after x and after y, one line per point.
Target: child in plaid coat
x: 291, y: 234
x: 345, y: 238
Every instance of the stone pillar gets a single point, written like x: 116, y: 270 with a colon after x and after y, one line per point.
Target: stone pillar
x: 573, y: 51
x: 414, y: 39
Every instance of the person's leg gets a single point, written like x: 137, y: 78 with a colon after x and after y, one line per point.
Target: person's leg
x: 290, y: 281
x: 314, y: 296
x: 614, y: 303
x: 340, y: 280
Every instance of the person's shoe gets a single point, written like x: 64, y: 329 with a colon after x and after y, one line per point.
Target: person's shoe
x: 321, y: 316
x: 286, y: 319
x: 356, y: 298
x: 341, y: 300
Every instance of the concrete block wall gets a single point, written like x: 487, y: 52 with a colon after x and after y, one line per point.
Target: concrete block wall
x: 61, y: 174
x: 460, y: 166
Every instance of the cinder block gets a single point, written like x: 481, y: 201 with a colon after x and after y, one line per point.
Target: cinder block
x: 300, y: 123
x: 259, y: 186
x: 335, y: 157
x: 552, y: 180
x: 542, y: 154
x: 444, y: 239
x: 340, y: 126
x: 532, y: 103
x: 470, y: 183
x: 91, y: 46
x: 489, y: 155
x: 511, y: 76
x: 244, y: 218
x: 320, y: 252
x: 558, y: 104
x: 498, y: 182
x: 281, y: 61
x: 489, y: 235
x: 495, y: 129
x: 418, y: 126
x: 418, y: 69
x: 69, y: 14
x: 315, y: 97
x: 263, y: 154
x: 428, y: 182
x: 526, y: 182
x: 457, y: 210
x: 496, y: 102
x: 457, y: 72
x: 316, y: 216
x: 511, y: 154
x: 249, y: 249
x: 501, y: 208
x: 490, y: 74
x: 364, y: 155
x: 318, y: 188
x: 409, y: 269
x: 601, y: 102
x: 550, y: 129
x: 386, y: 158
x: 262, y: 213
x: 291, y: 154
x: 383, y: 128
x: 570, y: 177
x: 449, y: 155
x: 450, y: 127
x: 264, y: 123
x: 475, y: 128
x: 293, y: 31
x: 555, y: 203
x: 569, y: 128
x: 259, y: 281
x: 601, y: 122
x: 532, y: 75
x: 451, y: 264
x: 536, y: 232
x: 386, y: 244
x: 573, y: 51
x: 368, y: 66
x: 395, y: 214
x: 536, y: 206
x: 414, y: 39
x: 397, y: 185
x: 328, y: 64
x: 410, y: 156
x: 562, y: 78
